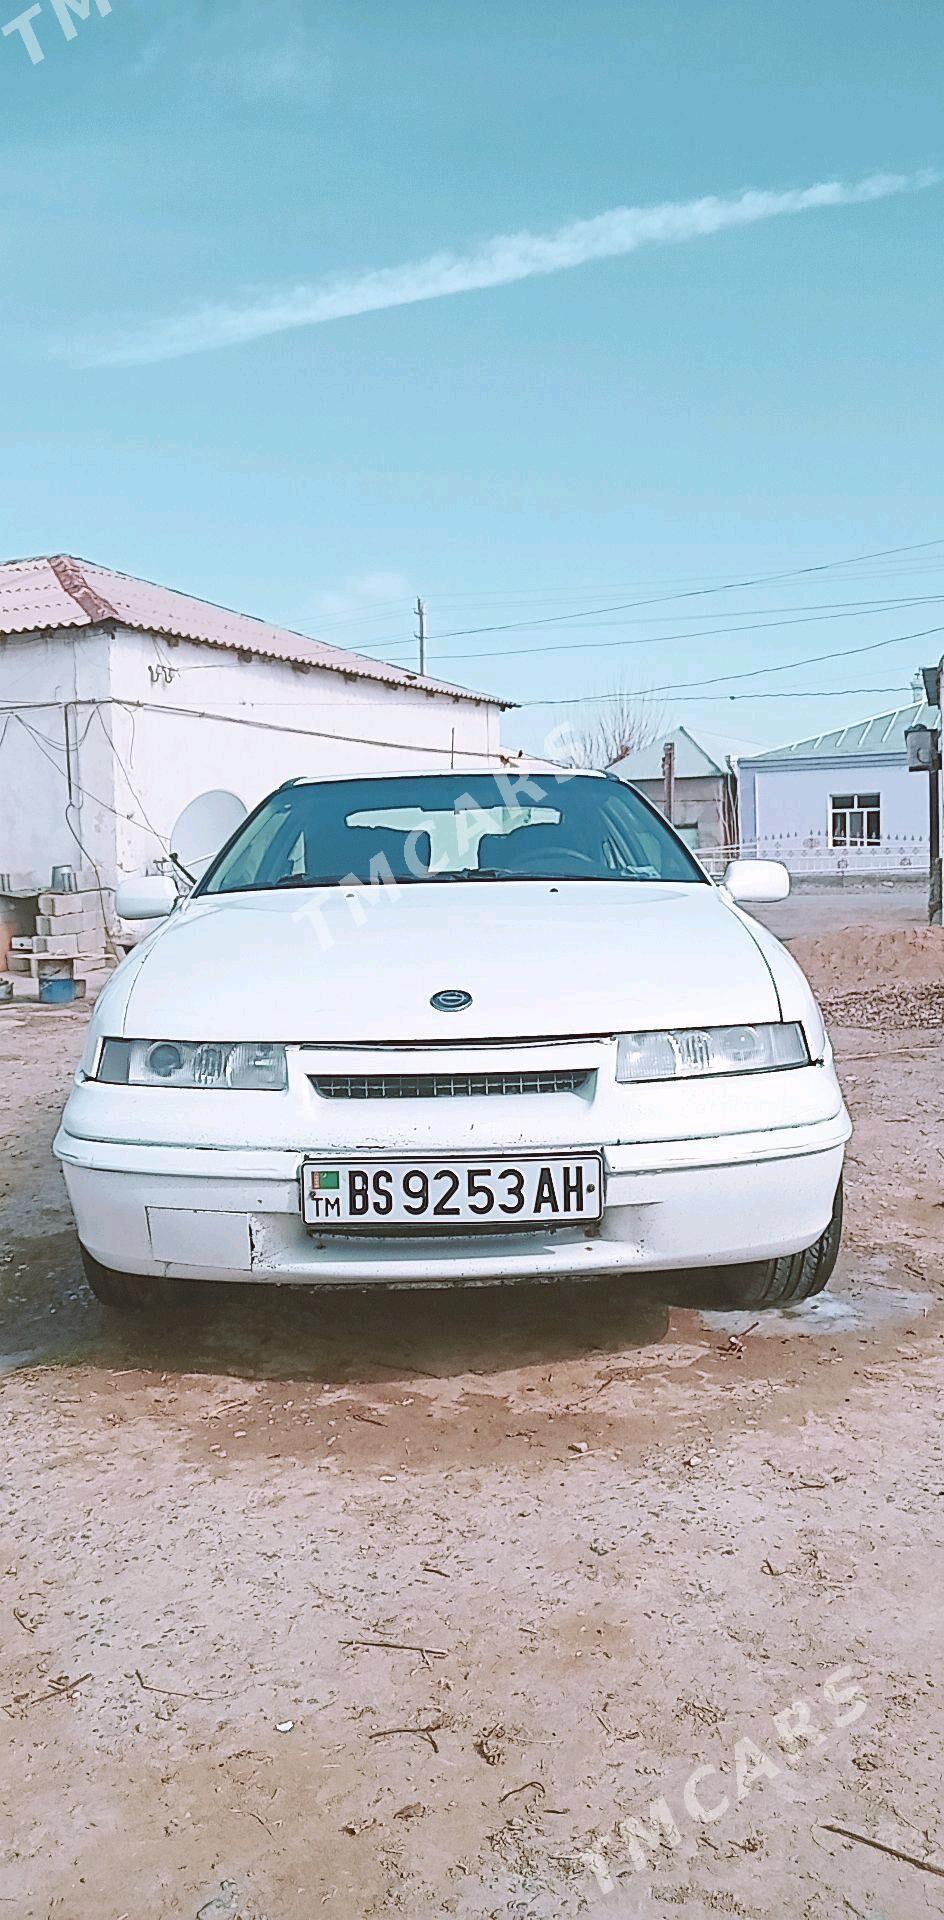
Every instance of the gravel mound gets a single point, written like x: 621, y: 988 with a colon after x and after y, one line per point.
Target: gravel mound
x: 887, y: 1009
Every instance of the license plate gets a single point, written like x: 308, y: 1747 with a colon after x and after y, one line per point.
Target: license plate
x: 499, y: 1193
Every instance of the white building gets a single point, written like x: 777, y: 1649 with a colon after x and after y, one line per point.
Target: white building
x: 120, y: 702
x: 840, y: 802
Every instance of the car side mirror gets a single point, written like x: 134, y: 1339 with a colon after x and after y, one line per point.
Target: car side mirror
x: 753, y: 883
x: 146, y: 896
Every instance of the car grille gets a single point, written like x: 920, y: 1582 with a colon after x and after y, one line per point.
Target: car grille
x: 447, y: 1086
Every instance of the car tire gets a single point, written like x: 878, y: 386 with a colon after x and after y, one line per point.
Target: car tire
x: 122, y: 1289
x: 794, y: 1276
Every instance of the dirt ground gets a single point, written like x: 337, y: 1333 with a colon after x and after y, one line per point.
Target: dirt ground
x: 816, y: 908
x: 418, y: 1605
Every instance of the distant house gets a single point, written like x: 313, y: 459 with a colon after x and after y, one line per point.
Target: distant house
x: 705, y: 809
x: 841, y: 801
x: 121, y: 701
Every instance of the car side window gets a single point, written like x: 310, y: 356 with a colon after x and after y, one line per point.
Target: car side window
x: 635, y: 846
x: 252, y: 849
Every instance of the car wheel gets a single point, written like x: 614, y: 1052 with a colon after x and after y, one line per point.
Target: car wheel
x: 122, y: 1289
x: 794, y: 1276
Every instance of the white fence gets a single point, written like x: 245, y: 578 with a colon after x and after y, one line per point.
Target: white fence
x: 808, y: 854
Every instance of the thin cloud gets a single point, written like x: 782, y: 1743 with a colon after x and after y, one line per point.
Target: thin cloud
x: 497, y: 263
x: 360, y: 596
x: 251, y: 55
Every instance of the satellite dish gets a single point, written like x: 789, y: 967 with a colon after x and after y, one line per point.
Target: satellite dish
x: 204, y: 827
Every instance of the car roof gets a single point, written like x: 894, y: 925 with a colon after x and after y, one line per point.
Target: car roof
x: 508, y: 768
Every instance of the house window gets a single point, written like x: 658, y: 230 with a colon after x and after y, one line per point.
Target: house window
x: 855, y: 820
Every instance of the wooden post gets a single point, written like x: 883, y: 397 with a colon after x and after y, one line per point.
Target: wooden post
x: 668, y: 780
x: 421, y: 635
x: 934, y: 836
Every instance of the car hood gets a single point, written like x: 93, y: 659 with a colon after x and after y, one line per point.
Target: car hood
x: 538, y: 959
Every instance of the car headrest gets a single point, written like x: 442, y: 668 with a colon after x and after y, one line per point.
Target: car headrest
x: 407, y: 855
x: 523, y: 849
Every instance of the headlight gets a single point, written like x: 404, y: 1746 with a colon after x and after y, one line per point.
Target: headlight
x: 689, y: 1053
x: 244, y: 1066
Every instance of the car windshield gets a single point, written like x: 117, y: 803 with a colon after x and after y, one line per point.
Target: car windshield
x: 450, y: 827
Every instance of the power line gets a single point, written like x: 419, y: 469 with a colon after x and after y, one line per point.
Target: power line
x: 808, y: 693
x: 239, y: 719
x: 904, y: 568
x: 38, y: 738
x: 699, y: 699
x: 397, y: 646
x: 751, y: 673
x: 846, y: 610
x: 127, y: 773
x: 370, y: 609
x: 792, y: 606
x: 692, y: 593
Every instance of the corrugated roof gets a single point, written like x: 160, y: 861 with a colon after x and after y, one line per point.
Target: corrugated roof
x: 692, y: 760
x: 42, y: 595
x: 881, y: 737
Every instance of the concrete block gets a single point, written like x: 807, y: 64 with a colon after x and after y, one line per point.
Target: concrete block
x: 22, y: 943
x: 59, y: 944
x: 71, y: 907
x: 83, y: 920
x: 42, y: 966
x: 67, y: 905
x: 60, y: 903
x: 47, y: 967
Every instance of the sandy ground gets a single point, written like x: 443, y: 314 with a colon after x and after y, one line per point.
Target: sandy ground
x: 617, y: 1548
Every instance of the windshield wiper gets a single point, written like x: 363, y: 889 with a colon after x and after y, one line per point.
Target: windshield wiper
x: 452, y: 875
x: 462, y: 873
x: 351, y: 880
x: 281, y: 885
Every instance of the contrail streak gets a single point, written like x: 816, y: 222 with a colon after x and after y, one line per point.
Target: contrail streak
x: 498, y: 262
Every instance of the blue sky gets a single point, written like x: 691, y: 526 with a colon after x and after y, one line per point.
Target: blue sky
x: 745, y: 402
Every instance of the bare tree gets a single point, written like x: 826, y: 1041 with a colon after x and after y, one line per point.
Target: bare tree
x: 623, y: 722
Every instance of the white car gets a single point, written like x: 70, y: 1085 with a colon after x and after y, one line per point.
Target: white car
x: 456, y: 1027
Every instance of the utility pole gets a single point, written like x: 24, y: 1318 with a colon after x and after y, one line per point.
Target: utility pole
x: 934, y: 688
x: 934, y: 789
x: 421, y: 634
x: 668, y: 780
x: 924, y: 756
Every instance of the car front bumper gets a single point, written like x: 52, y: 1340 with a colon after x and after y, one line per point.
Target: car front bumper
x: 230, y: 1213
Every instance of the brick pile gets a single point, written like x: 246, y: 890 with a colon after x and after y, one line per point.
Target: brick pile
x: 69, y: 941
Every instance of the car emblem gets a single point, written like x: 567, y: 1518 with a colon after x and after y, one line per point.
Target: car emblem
x: 451, y: 1000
